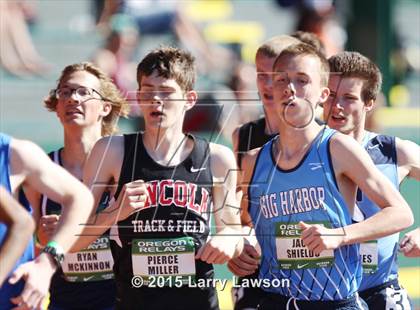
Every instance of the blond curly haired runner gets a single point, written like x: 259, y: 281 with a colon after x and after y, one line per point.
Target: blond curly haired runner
x: 88, y: 105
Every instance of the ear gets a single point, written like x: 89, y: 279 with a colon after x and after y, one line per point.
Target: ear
x: 191, y: 99
x: 106, y: 108
x: 325, y: 92
x: 369, y: 105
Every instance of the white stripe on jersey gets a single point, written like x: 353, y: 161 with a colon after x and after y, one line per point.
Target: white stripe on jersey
x: 319, y: 284
x: 332, y: 282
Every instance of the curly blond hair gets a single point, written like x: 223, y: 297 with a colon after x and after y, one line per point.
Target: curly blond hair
x: 108, y: 90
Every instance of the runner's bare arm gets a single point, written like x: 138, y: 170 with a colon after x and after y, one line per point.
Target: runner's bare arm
x: 31, y: 167
x: 34, y: 199
x: 408, y: 159
x: 227, y: 242
x: 43, y: 176
x: 352, y: 165
x: 235, y: 142
x: 248, y: 261
x: 410, y: 244
x: 21, y: 227
x: 101, y: 172
x: 409, y: 165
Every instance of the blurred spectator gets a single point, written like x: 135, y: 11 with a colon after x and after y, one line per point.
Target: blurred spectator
x: 166, y: 17
x: 115, y: 58
x: 17, y: 53
x: 319, y: 17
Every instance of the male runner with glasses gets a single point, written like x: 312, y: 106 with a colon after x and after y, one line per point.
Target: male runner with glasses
x: 88, y: 105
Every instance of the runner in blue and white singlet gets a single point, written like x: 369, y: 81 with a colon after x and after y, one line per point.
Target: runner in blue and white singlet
x: 280, y: 199
x: 379, y: 257
x: 7, y: 290
x: 354, y: 83
x: 301, y: 189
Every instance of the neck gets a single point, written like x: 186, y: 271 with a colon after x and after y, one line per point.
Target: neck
x: 165, y: 146
x: 358, y: 134
x: 294, y: 140
x: 78, y: 142
x: 271, y: 121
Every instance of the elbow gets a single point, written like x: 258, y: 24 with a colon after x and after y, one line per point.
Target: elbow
x: 406, y: 218
x: 410, y: 219
x: 82, y: 199
x: 25, y: 225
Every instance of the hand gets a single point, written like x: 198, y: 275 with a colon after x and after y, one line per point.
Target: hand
x: 133, y: 197
x: 37, y: 275
x: 221, y: 248
x: 318, y: 238
x: 246, y: 263
x: 47, y: 227
x: 410, y: 244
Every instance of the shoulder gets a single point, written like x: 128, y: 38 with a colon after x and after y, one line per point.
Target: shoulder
x: 342, y: 143
x: 109, y: 146
x: 222, y: 162
x: 21, y: 147
x: 346, y: 153
x: 407, y: 151
x: 108, y: 151
x: 248, y: 162
x: 26, y: 154
x: 221, y: 154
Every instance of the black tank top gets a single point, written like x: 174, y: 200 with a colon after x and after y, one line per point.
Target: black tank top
x: 174, y: 221
x: 88, y: 282
x: 251, y: 136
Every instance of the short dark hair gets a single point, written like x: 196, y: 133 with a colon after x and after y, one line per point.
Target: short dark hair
x: 170, y: 63
x: 309, y: 38
x: 303, y: 49
x: 355, y: 65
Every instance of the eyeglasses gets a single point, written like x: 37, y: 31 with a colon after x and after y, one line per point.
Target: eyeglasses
x: 82, y: 92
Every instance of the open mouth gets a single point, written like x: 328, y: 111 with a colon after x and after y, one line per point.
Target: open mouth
x: 338, y: 118
x: 289, y: 103
x: 156, y: 114
x: 73, y: 112
x: 267, y: 97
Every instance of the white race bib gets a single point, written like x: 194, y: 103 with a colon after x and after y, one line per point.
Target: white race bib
x: 369, y: 256
x: 92, y: 264
x: 293, y: 254
x: 167, y: 258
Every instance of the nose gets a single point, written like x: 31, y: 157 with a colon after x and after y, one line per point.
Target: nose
x: 290, y: 89
x: 338, y: 104
x: 73, y: 98
x: 269, y: 82
x: 157, y: 98
x: 74, y: 95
